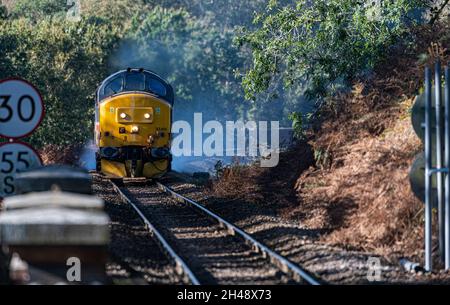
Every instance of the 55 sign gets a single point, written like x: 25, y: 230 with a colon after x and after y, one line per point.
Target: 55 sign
x: 21, y: 112
x: 15, y: 157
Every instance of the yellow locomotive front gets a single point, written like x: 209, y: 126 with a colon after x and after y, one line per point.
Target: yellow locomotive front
x: 132, y: 126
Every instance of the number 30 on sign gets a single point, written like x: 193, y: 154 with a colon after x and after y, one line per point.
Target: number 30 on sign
x: 21, y: 108
x: 14, y: 158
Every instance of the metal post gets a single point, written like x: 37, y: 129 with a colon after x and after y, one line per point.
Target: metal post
x: 447, y: 165
x: 428, y: 232
x: 439, y: 145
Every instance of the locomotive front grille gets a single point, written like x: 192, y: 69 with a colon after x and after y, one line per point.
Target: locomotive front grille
x: 133, y: 153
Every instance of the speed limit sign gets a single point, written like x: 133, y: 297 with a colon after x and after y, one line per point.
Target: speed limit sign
x: 21, y: 108
x: 15, y: 157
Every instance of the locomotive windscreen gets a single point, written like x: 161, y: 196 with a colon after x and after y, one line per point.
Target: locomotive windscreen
x: 135, y: 80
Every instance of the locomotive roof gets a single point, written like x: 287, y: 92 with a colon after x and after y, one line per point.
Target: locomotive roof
x: 148, y: 81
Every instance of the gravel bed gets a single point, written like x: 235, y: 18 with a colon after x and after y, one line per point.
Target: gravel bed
x: 332, y: 264
x: 215, y: 256
x: 135, y: 257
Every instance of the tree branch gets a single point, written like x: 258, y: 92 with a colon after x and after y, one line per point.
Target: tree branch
x: 438, y: 13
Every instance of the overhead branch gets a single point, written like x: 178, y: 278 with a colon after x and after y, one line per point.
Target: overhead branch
x: 438, y: 12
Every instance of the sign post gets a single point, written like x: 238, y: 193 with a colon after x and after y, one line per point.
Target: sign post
x: 21, y: 112
x: 430, y: 173
x: 447, y: 165
x: 428, y: 208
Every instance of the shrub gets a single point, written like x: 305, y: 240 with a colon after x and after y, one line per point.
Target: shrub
x: 316, y: 44
x: 65, y: 61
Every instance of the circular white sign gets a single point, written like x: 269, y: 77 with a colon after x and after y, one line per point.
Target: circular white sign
x: 21, y: 108
x: 15, y: 157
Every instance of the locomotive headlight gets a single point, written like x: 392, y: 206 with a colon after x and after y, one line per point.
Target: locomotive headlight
x: 123, y: 115
x: 147, y: 116
x: 134, y: 129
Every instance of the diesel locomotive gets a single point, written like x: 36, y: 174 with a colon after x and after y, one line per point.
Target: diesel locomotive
x: 133, y: 120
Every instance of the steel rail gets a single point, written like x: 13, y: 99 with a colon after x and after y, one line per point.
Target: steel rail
x: 283, y: 263
x: 181, y: 266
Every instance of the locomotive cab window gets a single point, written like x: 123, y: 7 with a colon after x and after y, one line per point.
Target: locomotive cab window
x: 113, y: 87
x: 156, y: 86
x: 135, y: 82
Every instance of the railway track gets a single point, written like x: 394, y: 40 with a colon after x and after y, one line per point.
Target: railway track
x: 205, y: 248
x: 135, y: 256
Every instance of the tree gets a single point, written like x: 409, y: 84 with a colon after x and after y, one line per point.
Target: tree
x: 3, y: 12
x: 197, y: 58
x: 38, y: 9
x: 66, y: 61
x: 224, y: 13
x: 321, y: 43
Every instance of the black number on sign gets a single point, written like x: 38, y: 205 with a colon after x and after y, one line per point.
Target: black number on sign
x: 9, y: 162
x: 4, y: 105
x: 19, y: 108
x: 5, y: 99
x: 22, y: 160
x: 9, y: 186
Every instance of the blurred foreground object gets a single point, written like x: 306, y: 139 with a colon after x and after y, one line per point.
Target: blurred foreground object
x: 62, y: 177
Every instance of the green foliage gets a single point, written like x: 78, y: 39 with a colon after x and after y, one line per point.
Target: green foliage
x: 196, y: 58
x: 297, y: 125
x: 313, y: 45
x: 3, y: 12
x: 319, y: 43
x: 118, y: 11
x: 38, y: 9
x: 226, y: 13
x: 66, y: 61
x: 219, y: 169
x: 322, y: 158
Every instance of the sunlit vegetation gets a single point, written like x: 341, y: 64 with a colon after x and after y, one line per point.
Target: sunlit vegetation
x: 228, y: 59
x: 321, y: 43
x: 67, y: 60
